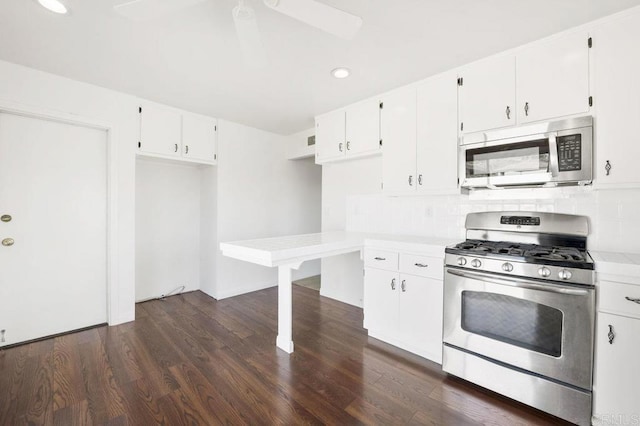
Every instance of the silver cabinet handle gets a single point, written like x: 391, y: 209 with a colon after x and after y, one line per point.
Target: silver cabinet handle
x: 526, y: 109
x: 175, y: 147
x: 611, y: 334
x: 393, y: 284
x: 419, y: 179
x: 6, y: 218
x: 508, y: 112
x: 8, y: 242
x: 607, y: 167
x: 631, y: 299
x: 340, y: 146
x: 403, y: 285
x: 410, y: 180
x: 380, y: 258
x: 186, y: 149
x: 421, y: 265
x: 348, y: 146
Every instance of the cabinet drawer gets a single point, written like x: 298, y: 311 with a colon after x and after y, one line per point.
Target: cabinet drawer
x: 423, y: 266
x: 614, y: 297
x: 381, y: 259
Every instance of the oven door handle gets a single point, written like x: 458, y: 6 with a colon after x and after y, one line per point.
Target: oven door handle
x: 518, y: 282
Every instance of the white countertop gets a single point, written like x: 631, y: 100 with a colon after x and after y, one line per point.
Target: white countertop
x: 616, y: 264
x: 293, y: 249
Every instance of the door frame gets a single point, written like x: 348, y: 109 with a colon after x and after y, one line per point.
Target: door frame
x: 15, y: 108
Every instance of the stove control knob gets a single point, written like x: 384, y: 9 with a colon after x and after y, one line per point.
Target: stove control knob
x: 507, y: 267
x: 462, y: 261
x: 564, y: 274
x: 544, y: 272
x: 476, y: 263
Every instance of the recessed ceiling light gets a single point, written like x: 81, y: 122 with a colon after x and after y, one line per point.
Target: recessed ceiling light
x: 54, y: 6
x: 341, y: 72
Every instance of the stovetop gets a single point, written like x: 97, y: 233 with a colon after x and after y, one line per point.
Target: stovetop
x: 562, y: 256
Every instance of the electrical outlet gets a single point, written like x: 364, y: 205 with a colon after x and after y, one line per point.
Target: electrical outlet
x: 2, y: 332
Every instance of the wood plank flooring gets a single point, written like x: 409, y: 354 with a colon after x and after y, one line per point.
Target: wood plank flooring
x: 192, y: 360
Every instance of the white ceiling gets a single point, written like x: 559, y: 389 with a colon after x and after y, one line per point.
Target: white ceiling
x: 191, y: 59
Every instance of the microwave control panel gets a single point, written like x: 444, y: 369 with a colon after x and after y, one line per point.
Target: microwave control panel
x: 569, y: 152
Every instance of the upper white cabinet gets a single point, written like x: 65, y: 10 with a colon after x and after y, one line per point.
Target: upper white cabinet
x: 398, y: 134
x: 348, y: 133
x: 553, y: 78
x: 437, y: 134
x: 169, y: 133
x: 543, y: 81
x: 199, y: 138
x: 420, y: 137
x: 616, y: 69
x: 160, y: 130
x: 330, y: 136
x: 488, y: 94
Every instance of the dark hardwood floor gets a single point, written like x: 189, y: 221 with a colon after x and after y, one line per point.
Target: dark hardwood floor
x: 192, y: 360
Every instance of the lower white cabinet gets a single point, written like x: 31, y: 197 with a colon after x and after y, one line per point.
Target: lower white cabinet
x: 617, y: 364
x: 403, y: 301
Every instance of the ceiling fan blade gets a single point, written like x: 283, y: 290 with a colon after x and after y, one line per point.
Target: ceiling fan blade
x: 142, y: 10
x: 319, y: 15
x: 249, y: 37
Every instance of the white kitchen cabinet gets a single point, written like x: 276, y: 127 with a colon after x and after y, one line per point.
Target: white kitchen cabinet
x: 617, y: 66
x: 379, y: 295
x: 173, y: 134
x: 418, y: 320
x: 545, y: 80
x: 617, y: 369
x: 160, y: 130
x: 403, y: 300
x: 348, y: 133
x: 552, y: 78
x: 398, y: 134
x: 199, y: 138
x: 617, y: 400
x: 487, y: 93
x: 330, y: 136
x: 437, y: 134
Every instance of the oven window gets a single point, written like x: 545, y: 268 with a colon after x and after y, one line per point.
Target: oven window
x: 508, y: 159
x: 514, y: 321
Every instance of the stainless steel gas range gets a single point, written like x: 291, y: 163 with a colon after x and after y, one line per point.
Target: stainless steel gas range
x: 519, y: 310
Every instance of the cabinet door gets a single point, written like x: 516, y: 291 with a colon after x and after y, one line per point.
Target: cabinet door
x: 437, y: 134
x: 616, y: 397
x: 199, y: 138
x: 363, y: 128
x: 381, y: 301
x: 398, y: 132
x: 330, y: 136
x: 617, y: 67
x: 420, y: 315
x: 552, y: 78
x: 487, y: 94
x: 160, y: 130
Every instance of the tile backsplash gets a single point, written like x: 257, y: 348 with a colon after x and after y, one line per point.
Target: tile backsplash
x: 614, y: 215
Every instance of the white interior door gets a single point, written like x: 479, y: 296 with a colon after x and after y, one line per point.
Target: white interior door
x: 53, y: 184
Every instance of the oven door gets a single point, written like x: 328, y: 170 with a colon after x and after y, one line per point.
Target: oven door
x: 546, y: 329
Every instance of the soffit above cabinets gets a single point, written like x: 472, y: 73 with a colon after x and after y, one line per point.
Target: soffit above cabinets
x: 191, y: 59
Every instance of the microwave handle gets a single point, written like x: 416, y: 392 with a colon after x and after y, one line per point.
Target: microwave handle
x: 553, y: 155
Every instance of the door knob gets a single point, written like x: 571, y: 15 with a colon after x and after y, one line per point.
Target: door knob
x: 7, y: 242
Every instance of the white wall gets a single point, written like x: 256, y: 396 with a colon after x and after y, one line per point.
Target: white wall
x: 168, y: 227
x: 298, y: 145
x: 259, y: 194
x: 45, y: 92
x: 613, y: 214
x: 342, y: 275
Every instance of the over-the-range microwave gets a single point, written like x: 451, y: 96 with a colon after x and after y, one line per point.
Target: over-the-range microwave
x: 543, y: 154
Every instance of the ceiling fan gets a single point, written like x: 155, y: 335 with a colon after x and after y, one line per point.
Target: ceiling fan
x: 314, y: 13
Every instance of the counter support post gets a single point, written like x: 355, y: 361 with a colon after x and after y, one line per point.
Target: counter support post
x: 285, y: 310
